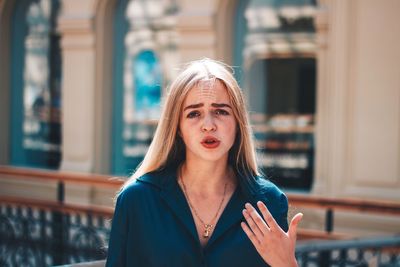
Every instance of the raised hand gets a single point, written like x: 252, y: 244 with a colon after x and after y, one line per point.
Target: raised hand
x: 274, y: 245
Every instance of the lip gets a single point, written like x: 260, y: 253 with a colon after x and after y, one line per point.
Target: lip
x: 210, y: 142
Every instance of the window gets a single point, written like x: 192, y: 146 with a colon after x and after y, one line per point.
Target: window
x: 143, y: 37
x: 277, y: 54
x: 36, y: 85
x: 148, y: 81
x: 285, y: 127
x: 141, y: 107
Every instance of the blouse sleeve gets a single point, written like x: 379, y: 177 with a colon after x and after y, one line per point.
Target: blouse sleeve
x: 117, y: 244
x: 276, y: 201
x: 282, y: 219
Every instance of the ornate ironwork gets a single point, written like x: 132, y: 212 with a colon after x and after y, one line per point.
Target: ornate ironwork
x: 32, y: 236
x: 35, y: 237
x: 378, y: 251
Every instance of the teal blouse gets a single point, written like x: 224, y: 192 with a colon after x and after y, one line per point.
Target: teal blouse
x: 153, y: 226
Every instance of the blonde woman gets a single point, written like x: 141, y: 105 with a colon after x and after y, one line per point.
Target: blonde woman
x: 197, y: 198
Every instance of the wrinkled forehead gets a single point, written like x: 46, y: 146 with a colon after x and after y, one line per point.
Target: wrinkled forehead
x: 208, y: 90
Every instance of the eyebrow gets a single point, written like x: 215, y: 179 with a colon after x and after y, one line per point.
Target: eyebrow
x: 215, y: 105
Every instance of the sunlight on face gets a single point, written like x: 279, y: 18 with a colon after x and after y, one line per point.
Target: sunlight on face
x: 207, y: 124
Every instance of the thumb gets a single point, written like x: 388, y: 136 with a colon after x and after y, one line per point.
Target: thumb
x: 293, y: 225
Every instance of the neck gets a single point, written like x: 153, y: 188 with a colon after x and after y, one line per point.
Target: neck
x: 206, y: 178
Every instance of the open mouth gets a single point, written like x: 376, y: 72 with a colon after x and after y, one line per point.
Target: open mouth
x: 210, y: 142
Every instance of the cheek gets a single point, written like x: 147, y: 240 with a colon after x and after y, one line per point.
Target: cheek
x: 181, y: 130
x: 232, y: 129
x: 185, y: 129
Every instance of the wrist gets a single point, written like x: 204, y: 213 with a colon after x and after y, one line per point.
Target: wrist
x: 291, y: 263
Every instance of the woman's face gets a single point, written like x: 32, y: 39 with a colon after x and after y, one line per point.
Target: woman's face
x: 207, y: 124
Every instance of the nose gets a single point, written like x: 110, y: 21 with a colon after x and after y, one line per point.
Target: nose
x: 208, y: 124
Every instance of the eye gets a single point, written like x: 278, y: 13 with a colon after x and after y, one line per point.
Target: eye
x: 193, y: 114
x: 221, y: 112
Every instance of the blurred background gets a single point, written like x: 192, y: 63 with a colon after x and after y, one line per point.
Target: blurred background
x: 82, y: 84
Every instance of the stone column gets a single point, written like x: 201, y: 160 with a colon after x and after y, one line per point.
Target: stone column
x: 196, y: 30
x: 321, y: 132
x: 76, y: 26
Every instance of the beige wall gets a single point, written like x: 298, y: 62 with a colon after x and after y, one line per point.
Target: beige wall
x: 373, y: 134
x: 358, y: 109
x: 358, y: 101
x: 76, y: 26
x: 197, y: 30
x: 358, y: 105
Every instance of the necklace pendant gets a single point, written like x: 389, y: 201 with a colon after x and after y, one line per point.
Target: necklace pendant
x: 207, y: 230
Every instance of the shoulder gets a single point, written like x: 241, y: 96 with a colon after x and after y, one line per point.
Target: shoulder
x: 143, y: 186
x: 257, y: 187
x: 269, y: 192
x: 275, y: 199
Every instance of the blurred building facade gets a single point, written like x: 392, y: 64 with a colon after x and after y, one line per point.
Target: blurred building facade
x: 82, y: 84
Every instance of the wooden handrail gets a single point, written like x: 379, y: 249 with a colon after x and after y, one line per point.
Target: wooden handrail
x: 307, y: 234
x: 57, y: 206
x: 329, y: 205
x: 61, y: 176
x: 349, y: 204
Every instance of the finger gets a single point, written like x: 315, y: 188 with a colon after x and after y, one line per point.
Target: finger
x: 250, y: 235
x: 267, y: 216
x: 293, y: 226
x: 257, y: 218
x: 252, y: 224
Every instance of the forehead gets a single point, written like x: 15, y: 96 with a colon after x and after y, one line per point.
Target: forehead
x: 208, y: 91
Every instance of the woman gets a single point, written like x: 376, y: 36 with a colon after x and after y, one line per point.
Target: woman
x: 187, y: 202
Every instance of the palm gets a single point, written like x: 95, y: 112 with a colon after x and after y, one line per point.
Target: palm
x: 274, y: 245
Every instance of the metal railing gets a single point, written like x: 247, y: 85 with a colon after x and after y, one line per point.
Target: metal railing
x: 47, y: 233
x: 330, y: 205
x: 366, y: 252
x: 363, y: 252
x: 39, y: 233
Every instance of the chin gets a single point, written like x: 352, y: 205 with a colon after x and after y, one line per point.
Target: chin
x: 210, y: 155
x: 213, y: 157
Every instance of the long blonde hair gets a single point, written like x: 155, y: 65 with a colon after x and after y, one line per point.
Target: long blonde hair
x: 167, y: 147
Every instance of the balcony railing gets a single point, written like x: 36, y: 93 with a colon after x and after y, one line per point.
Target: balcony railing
x: 363, y: 252
x: 331, y: 205
x: 37, y: 233
x: 47, y: 233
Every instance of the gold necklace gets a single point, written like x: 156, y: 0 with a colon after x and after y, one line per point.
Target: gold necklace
x: 208, y: 227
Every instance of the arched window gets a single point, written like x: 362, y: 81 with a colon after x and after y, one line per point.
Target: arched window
x: 276, y: 49
x: 120, y: 29
x: 35, y: 85
x: 147, y: 84
x: 238, y: 42
x: 139, y: 48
